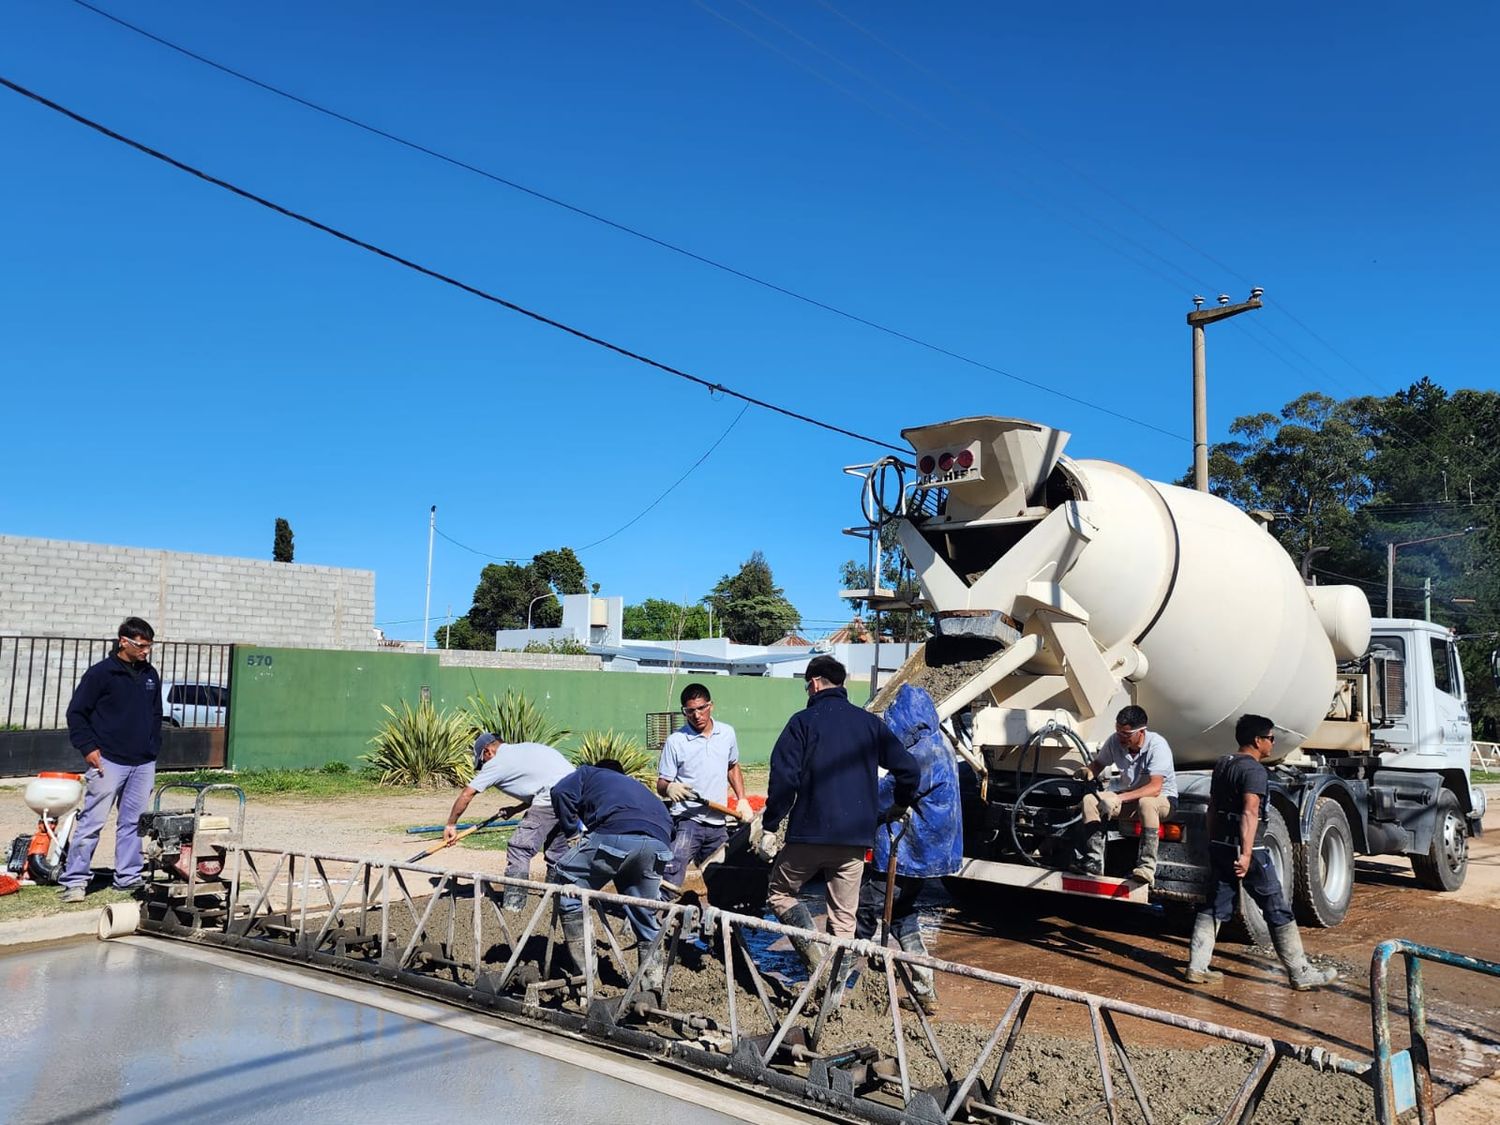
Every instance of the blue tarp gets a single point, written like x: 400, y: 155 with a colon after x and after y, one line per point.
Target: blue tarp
x: 933, y: 845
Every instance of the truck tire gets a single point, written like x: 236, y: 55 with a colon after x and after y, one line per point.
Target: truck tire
x: 1248, y: 922
x: 1324, y: 884
x: 1446, y: 861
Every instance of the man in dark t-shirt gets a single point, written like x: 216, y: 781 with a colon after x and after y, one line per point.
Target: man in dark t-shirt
x: 1237, y: 798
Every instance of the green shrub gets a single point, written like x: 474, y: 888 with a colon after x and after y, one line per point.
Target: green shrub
x: 597, y: 745
x: 514, y: 718
x: 561, y: 646
x: 422, y: 747
x: 335, y: 767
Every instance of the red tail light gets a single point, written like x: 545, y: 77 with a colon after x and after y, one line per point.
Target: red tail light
x: 1172, y: 833
x: 926, y: 465
x: 945, y: 462
x: 965, y: 458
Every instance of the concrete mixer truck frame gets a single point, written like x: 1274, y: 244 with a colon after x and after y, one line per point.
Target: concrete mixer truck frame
x: 1063, y: 590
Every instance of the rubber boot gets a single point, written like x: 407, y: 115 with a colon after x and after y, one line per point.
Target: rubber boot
x: 572, y: 925
x: 1091, y: 849
x: 513, y: 900
x: 810, y: 951
x: 1288, y: 942
x: 1145, y: 863
x: 1201, y: 951
x: 923, y: 990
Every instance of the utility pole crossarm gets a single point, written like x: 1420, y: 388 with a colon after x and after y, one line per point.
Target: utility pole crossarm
x: 1197, y: 319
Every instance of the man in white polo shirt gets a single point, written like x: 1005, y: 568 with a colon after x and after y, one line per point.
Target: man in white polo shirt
x: 1145, y: 790
x: 526, y: 771
x: 699, y: 760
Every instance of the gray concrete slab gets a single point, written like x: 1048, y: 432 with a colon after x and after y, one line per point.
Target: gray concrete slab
x: 147, y: 1030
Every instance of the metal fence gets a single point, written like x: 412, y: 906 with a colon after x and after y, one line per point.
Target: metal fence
x: 450, y: 934
x: 38, y: 675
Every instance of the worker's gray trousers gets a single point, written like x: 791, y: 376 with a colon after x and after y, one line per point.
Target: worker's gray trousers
x: 537, y: 831
x: 126, y: 786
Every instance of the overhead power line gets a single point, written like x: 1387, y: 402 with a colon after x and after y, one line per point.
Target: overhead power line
x: 624, y: 228
x: 446, y: 279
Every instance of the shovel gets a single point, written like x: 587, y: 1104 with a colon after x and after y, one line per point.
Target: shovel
x: 439, y: 845
x: 714, y: 805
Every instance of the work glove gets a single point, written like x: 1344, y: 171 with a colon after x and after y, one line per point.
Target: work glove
x: 679, y: 791
x: 576, y: 842
x: 764, y: 843
x: 893, y: 814
x: 743, y: 812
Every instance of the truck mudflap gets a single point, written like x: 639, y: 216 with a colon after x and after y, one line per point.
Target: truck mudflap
x: 1050, y: 879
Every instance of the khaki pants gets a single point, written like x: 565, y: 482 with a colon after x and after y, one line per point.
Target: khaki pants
x: 841, y: 867
x: 1150, y: 811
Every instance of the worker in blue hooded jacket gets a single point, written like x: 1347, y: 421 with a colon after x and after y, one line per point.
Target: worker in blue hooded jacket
x: 824, y: 784
x: 931, y: 845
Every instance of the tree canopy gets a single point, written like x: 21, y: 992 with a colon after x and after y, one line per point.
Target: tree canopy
x: 506, y: 591
x: 281, y: 544
x: 753, y: 609
x: 657, y: 619
x: 1346, y: 478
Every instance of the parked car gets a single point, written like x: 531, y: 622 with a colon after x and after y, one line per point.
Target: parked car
x: 194, y: 705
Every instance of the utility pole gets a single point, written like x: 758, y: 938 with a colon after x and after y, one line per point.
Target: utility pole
x: 427, y: 604
x: 1390, y: 568
x: 1198, y: 319
x: 1427, y: 599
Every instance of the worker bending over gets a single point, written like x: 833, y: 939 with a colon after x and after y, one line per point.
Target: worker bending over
x: 621, y: 833
x: 526, y: 771
x: 1145, y: 790
x: 824, y: 786
x: 700, y: 762
x: 1237, y: 797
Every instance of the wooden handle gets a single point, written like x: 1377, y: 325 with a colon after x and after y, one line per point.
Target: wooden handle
x: 439, y: 845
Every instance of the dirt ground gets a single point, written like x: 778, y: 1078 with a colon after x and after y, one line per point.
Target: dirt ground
x: 1137, y: 954
x: 1121, y: 951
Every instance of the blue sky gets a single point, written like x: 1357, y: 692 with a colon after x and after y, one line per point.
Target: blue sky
x: 1040, y: 190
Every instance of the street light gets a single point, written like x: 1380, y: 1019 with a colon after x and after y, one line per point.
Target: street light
x: 539, y: 597
x: 1197, y: 320
x: 1390, y: 562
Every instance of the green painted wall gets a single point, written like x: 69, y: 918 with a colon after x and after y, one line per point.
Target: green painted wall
x: 306, y: 707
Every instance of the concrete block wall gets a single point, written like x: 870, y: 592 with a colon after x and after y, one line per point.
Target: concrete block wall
x: 56, y: 588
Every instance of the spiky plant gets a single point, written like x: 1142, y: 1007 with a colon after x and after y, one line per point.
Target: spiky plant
x: 514, y: 718
x: 597, y: 745
x: 422, y: 747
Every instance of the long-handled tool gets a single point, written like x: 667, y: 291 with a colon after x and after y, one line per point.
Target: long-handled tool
x: 438, y: 845
x: 698, y: 798
x: 894, y: 838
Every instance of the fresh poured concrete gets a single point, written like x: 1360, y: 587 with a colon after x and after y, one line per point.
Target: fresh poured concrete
x: 147, y: 1030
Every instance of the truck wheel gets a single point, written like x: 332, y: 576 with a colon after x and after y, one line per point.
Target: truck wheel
x: 1325, y: 867
x: 1248, y: 922
x: 1447, y: 860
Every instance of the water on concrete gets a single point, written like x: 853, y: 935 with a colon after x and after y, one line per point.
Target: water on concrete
x: 143, y: 1031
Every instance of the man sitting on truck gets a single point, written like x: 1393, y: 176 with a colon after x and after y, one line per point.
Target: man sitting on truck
x: 1145, y: 790
x: 1237, y: 798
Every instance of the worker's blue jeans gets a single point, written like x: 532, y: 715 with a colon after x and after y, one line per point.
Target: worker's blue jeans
x: 904, y: 918
x: 693, y: 842
x: 130, y: 788
x: 1260, y: 884
x: 634, y: 863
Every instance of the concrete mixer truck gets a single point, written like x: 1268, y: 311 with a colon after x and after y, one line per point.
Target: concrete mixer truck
x: 1063, y: 590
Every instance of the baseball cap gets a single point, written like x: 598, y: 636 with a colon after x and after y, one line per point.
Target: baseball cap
x: 481, y: 744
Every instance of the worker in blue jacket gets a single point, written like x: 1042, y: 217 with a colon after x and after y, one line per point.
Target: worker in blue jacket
x: 824, y: 787
x: 623, y: 835
x: 928, y: 847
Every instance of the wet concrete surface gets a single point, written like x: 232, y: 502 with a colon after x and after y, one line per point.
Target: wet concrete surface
x: 1137, y: 954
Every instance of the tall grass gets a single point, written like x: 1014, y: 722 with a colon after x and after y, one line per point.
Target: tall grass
x: 596, y: 745
x: 514, y: 718
x: 422, y: 747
